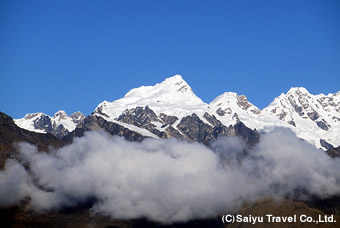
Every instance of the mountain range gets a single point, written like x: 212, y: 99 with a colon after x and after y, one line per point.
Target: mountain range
x: 171, y: 109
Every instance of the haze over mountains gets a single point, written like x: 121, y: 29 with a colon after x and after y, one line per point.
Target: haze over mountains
x: 171, y: 109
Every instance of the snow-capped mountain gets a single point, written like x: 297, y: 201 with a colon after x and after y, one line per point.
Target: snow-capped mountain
x: 315, y: 118
x: 171, y: 109
x: 168, y: 109
x: 59, y: 125
x: 229, y: 102
x: 173, y: 97
x: 230, y: 107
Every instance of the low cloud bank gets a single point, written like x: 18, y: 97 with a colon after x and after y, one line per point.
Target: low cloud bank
x: 167, y: 180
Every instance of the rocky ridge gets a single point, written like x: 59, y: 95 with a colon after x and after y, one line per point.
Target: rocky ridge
x: 59, y: 125
x: 10, y: 133
x: 171, y: 109
x: 315, y: 118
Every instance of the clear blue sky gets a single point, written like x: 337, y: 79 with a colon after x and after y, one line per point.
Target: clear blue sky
x: 72, y: 55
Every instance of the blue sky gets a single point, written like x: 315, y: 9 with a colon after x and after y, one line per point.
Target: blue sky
x: 72, y: 55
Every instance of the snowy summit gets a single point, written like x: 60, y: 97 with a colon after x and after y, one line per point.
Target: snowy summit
x: 314, y: 118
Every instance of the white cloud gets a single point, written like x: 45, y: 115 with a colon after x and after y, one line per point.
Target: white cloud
x: 167, y: 180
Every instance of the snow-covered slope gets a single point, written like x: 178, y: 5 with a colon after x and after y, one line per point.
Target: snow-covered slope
x: 28, y: 122
x: 229, y: 102
x: 171, y: 108
x: 60, y: 124
x: 172, y: 97
x: 230, y: 107
x: 312, y: 117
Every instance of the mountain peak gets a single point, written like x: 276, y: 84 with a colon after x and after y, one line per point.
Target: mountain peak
x: 29, y: 116
x: 173, y: 95
x: 174, y: 79
x: 59, y: 125
x: 233, y: 101
x: 298, y: 90
x: 170, y: 91
x: 77, y: 115
x: 60, y: 115
x: 178, y: 83
x: 172, y: 84
x: 226, y: 96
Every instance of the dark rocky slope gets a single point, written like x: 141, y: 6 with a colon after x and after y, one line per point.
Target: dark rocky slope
x: 94, y: 123
x: 334, y: 152
x: 190, y: 128
x: 10, y: 133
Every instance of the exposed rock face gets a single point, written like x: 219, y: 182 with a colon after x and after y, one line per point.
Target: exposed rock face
x: 325, y: 144
x: 193, y: 127
x: 317, y: 116
x: 172, y: 132
x: 230, y: 102
x: 221, y: 112
x: 212, y: 120
x: 219, y: 129
x: 190, y: 127
x: 323, y: 125
x: 243, y: 102
x: 313, y: 115
x: 282, y: 115
x: 60, y: 115
x: 334, y: 152
x: 77, y: 117
x: 59, y: 125
x: 235, y: 117
x: 251, y: 137
x: 139, y: 116
x: 43, y: 123
x: 164, y: 126
x: 168, y: 119
x: 59, y: 131
x: 95, y: 123
x: 335, y: 119
x: 291, y: 122
x: 99, y: 110
x: 11, y: 133
x: 143, y: 118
